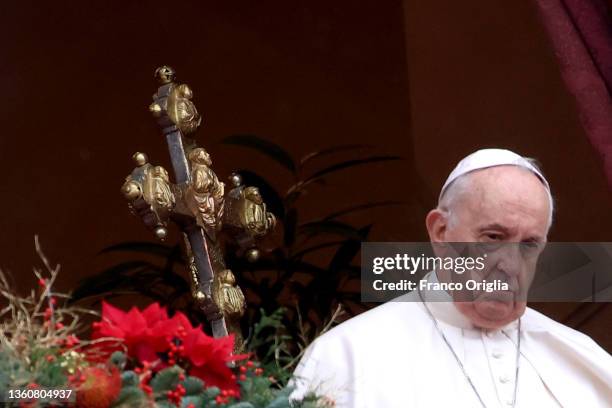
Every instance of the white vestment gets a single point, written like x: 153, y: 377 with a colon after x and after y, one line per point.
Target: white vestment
x: 393, y: 356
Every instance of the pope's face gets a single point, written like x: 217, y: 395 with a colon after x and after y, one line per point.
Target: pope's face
x: 506, y: 208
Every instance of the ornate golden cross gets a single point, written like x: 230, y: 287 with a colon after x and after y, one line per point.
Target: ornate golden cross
x: 198, y: 204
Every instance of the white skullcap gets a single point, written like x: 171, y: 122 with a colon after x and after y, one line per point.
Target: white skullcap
x: 486, y: 158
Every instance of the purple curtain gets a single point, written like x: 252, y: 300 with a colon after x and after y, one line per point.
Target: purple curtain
x: 581, y: 35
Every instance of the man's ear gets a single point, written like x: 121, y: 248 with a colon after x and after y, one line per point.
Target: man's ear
x: 437, y: 223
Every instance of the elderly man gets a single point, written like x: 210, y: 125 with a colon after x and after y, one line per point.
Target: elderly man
x: 496, y: 352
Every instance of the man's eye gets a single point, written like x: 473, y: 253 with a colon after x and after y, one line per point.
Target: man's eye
x: 492, y: 236
x: 491, y: 242
x: 529, y: 246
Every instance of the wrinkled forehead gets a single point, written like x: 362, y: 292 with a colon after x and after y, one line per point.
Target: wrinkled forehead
x: 509, y: 193
x: 506, y: 175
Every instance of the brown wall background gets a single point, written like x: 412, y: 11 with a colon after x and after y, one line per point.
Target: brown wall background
x: 431, y: 81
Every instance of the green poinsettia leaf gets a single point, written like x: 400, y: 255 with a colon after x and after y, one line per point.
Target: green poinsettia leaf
x: 282, y: 399
x: 210, y: 393
x: 257, y: 390
x: 196, y: 400
x: 193, y: 385
x: 131, y: 396
x: 129, y: 379
x: 118, y: 359
x: 166, y: 380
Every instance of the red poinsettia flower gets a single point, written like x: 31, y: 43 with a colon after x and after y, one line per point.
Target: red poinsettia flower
x: 209, y: 358
x: 144, y: 333
x: 151, y: 334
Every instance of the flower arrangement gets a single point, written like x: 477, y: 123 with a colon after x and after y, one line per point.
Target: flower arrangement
x: 138, y: 358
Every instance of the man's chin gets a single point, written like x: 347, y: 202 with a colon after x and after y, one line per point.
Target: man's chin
x: 495, y: 311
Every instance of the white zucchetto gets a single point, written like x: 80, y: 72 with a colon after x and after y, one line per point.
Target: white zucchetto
x: 486, y: 158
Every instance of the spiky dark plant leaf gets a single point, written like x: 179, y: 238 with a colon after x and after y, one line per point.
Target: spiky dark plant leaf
x: 264, y: 146
x: 332, y: 150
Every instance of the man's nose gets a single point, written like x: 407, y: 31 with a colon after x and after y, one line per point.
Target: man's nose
x: 510, y: 261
